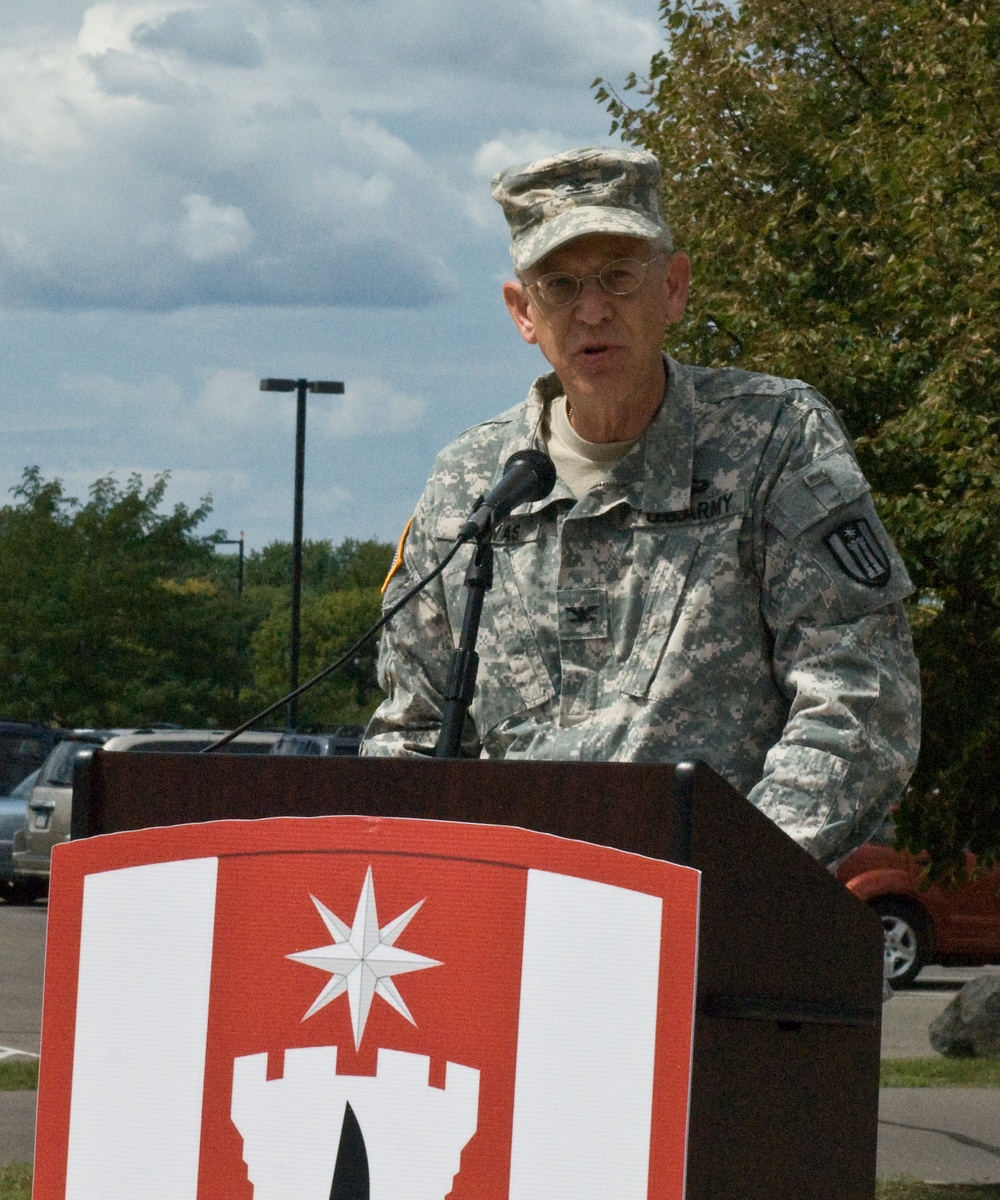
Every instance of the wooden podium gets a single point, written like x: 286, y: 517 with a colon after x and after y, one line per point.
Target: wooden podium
x: 784, y: 1100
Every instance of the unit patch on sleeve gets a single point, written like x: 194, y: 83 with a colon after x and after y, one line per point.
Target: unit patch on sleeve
x: 859, y: 553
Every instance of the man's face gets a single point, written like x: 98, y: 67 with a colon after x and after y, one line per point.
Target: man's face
x: 602, y: 345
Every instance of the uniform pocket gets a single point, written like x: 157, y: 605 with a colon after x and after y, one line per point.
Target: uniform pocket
x: 813, y: 493
x: 659, y: 615
x: 511, y: 663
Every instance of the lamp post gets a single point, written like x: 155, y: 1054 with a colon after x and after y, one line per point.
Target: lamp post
x: 300, y: 386
x: 236, y: 542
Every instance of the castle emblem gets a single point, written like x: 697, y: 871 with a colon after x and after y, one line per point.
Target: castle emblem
x: 317, y: 1135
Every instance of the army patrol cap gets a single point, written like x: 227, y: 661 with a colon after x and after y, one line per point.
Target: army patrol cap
x: 553, y: 200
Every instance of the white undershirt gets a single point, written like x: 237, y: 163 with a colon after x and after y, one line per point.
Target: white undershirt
x: 580, y: 464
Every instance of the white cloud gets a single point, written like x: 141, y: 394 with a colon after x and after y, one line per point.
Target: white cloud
x: 216, y: 35
x: 307, y: 145
x: 510, y: 148
x: 372, y: 406
x: 211, y: 231
x: 103, y: 394
x: 122, y: 74
x: 232, y: 400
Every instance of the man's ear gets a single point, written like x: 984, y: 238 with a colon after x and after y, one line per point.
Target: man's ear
x: 518, y: 303
x: 677, y: 283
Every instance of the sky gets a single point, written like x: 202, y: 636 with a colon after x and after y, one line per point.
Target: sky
x: 197, y: 196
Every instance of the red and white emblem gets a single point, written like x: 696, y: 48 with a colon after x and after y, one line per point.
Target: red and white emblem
x: 344, y: 1008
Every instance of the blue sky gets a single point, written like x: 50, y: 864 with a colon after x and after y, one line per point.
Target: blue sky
x: 194, y: 196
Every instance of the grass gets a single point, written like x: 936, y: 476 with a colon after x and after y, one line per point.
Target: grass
x: 908, y: 1189
x: 15, y: 1181
x: 18, y: 1075
x: 940, y: 1072
x: 15, y: 1184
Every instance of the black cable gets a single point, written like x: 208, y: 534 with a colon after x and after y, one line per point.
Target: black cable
x: 365, y: 637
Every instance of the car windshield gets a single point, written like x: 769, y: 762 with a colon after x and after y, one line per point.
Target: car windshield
x: 23, y: 789
x: 58, y: 769
x: 19, y: 754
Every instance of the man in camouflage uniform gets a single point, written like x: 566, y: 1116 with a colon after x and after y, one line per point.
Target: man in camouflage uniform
x: 708, y: 579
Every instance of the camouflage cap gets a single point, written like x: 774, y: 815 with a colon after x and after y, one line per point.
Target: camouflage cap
x: 556, y: 199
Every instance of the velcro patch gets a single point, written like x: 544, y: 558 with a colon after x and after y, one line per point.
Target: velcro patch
x: 859, y: 553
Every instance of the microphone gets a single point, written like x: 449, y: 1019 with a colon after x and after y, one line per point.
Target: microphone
x: 528, y: 475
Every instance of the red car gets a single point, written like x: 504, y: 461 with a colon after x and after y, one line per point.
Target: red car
x: 924, y: 924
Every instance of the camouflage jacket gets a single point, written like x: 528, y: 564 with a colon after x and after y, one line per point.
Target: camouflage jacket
x: 729, y: 595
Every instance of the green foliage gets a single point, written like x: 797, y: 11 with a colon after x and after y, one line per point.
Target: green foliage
x: 834, y: 171
x: 330, y: 624
x: 325, y: 567
x: 341, y: 598
x: 114, y: 613
x: 106, y: 617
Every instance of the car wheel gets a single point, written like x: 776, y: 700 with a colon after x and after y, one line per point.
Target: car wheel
x: 18, y: 892
x: 907, y: 940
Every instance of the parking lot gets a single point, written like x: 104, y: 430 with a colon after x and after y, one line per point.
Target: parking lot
x: 22, y: 948
x: 22, y: 952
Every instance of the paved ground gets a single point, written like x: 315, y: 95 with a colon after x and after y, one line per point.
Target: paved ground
x: 22, y: 949
x: 939, y: 1135
x: 17, y: 1126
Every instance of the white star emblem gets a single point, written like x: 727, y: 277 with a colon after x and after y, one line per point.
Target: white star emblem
x: 362, y: 959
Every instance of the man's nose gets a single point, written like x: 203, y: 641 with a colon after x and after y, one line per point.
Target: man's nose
x: 593, y: 304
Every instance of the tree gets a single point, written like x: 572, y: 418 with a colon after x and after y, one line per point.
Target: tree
x: 340, y: 599
x: 107, y: 616
x: 331, y: 623
x: 834, y: 170
x: 325, y: 567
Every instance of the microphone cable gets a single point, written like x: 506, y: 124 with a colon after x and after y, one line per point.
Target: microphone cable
x: 327, y: 670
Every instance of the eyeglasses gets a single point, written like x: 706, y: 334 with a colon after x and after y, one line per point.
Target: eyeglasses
x: 619, y: 278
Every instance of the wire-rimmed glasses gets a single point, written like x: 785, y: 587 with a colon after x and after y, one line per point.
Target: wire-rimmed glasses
x: 621, y: 277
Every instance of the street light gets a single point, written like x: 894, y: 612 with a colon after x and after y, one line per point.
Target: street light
x: 236, y: 542
x: 301, y: 386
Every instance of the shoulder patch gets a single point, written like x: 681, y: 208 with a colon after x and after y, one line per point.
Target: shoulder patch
x: 859, y: 553
x: 397, y: 562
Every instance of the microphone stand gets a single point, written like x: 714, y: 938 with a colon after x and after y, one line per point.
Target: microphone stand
x: 465, y: 661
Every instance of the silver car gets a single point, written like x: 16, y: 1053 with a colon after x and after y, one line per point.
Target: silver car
x: 13, y: 813
x: 51, y: 804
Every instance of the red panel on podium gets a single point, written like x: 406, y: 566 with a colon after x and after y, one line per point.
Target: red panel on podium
x: 362, y: 1008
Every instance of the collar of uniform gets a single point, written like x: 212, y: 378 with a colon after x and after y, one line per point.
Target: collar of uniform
x: 655, y: 475
x: 525, y: 432
x: 658, y: 471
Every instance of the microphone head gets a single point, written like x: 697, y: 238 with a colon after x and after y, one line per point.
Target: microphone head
x: 541, y: 468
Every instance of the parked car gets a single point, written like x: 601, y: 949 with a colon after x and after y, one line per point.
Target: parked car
x: 192, y: 741
x: 936, y: 924
x: 13, y: 814
x: 23, y: 748
x: 47, y: 818
x: 51, y: 804
x: 343, y: 742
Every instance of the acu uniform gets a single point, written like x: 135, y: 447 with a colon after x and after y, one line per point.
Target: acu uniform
x: 728, y: 594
